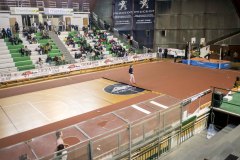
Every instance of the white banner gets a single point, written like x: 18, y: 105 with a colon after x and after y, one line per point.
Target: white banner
x: 179, y: 52
x: 24, y: 10
x: 72, y: 67
x: 58, y: 11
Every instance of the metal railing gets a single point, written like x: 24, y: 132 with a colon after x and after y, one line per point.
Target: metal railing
x: 102, y: 24
x: 146, y: 137
x: 163, y: 145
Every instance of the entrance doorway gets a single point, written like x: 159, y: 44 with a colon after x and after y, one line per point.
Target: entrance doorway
x: 26, y: 19
x: 12, y: 23
x: 68, y: 23
x: 85, y: 22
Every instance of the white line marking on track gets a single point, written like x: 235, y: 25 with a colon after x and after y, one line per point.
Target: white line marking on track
x: 158, y: 104
x: 49, y: 120
x: 141, y: 109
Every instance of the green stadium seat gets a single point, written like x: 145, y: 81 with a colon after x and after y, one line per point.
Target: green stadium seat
x: 55, y: 51
x: 19, y: 59
x: 26, y: 67
x: 54, y: 54
x: 14, y: 50
x: 15, y: 47
x: 15, y: 55
x: 23, y: 63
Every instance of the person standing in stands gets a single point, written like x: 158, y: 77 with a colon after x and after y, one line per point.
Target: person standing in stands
x: 49, y: 24
x: 4, y: 33
x: 16, y: 27
x: 132, y: 78
x: 60, y: 29
x: 9, y: 33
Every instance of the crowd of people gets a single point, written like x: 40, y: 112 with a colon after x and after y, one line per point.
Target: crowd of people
x: 15, y: 40
x: 99, y: 42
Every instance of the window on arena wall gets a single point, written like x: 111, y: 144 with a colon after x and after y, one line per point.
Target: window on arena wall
x: 78, y: 5
x: 163, y: 33
x: 164, y: 6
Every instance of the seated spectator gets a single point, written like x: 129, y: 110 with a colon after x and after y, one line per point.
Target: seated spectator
x: 76, y: 55
x: 9, y: 33
x: 62, y: 58
x: 27, y: 51
x: 70, y: 42
x: 29, y: 36
x: 49, y: 59
x: 33, y: 40
x: 39, y: 49
x: 47, y: 48
x: 13, y: 40
x: 111, y: 41
x: 41, y: 27
x: 40, y: 62
x: 56, y: 60
x: 22, y: 51
x: 4, y: 33
x: 45, y: 34
x: 65, y: 40
x: 18, y: 40
x: 25, y: 32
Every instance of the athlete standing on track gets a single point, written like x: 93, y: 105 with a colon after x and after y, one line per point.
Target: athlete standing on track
x: 132, y: 78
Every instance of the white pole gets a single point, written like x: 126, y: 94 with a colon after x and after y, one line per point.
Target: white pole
x: 189, y: 53
x: 220, y: 58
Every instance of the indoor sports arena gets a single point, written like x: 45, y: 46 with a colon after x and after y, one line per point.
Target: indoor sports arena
x: 119, y: 80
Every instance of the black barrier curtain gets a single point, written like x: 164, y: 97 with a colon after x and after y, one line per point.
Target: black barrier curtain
x: 135, y: 17
x: 122, y: 15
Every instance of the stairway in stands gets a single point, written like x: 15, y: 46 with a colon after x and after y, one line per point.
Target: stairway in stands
x: 7, y: 64
x: 225, y: 143
x: 62, y: 48
x: 11, y: 59
x: 226, y: 39
x: 34, y: 54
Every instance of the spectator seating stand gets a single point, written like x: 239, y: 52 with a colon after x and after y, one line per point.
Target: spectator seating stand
x: 7, y: 64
